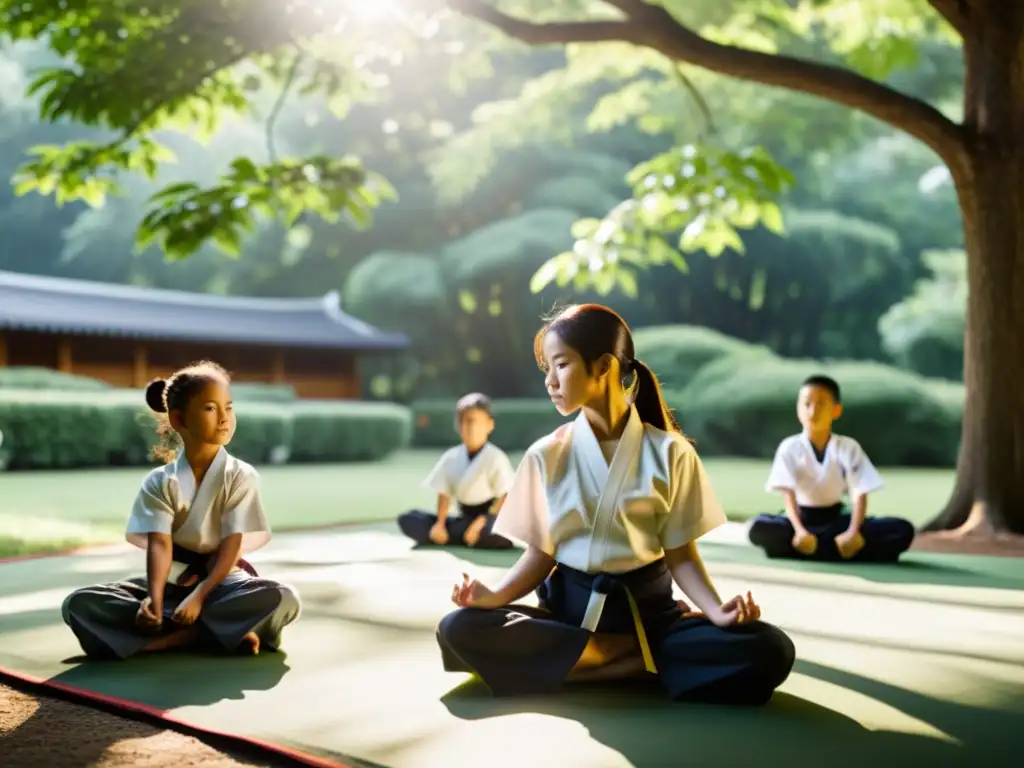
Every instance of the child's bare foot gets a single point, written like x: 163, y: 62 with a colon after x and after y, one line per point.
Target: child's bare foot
x: 603, y: 648
x: 473, y: 531
x: 623, y: 668
x: 178, y: 638
x: 250, y: 645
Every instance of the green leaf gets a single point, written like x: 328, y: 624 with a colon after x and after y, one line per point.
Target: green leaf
x: 543, y: 276
x: 627, y: 282
x: 228, y: 240
x: 771, y: 218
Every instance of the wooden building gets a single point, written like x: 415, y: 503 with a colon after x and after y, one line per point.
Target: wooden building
x: 127, y: 335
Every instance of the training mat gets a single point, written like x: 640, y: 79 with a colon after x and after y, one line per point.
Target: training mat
x: 921, y: 663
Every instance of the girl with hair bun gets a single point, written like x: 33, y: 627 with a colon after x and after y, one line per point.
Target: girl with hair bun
x: 198, y: 514
x: 609, y: 508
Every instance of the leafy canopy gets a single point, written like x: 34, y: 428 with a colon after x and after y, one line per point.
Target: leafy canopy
x: 139, y: 68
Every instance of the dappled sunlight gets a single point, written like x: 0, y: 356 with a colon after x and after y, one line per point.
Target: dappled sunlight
x: 901, y: 623
x: 849, y: 580
x: 22, y: 709
x: 540, y: 740
x: 132, y: 559
x: 40, y: 650
x: 968, y: 681
x: 347, y: 547
x: 870, y: 713
x: 35, y: 525
x: 49, y: 599
x: 365, y: 676
x: 372, y: 11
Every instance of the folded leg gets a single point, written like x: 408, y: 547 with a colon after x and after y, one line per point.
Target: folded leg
x: 773, y: 534
x: 885, y: 539
x: 698, y: 661
x: 416, y: 524
x: 102, y: 616
x: 487, y: 539
x: 242, y: 604
x: 517, y: 650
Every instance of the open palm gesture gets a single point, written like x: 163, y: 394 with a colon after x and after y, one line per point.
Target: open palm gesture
x: 471, y: 593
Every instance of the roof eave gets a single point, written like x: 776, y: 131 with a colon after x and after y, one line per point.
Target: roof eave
x: 385, y: 342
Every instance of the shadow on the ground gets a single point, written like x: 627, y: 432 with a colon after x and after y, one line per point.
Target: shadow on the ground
x: 172, y: 680
x: 640, y: 724
x: 914, y: 568
x: 162, y: 682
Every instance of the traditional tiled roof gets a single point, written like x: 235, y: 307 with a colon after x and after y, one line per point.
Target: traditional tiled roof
x: 59, y: 305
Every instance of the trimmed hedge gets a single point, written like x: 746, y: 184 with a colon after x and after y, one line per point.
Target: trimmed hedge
x: 334, y: 431
x: 743, y: 406
x: 517, y: 423
x: 254, y: 392
x: 61, y: 429
x: 27, y: 377
x: 677, y: 352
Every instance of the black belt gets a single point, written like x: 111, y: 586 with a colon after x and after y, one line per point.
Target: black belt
x: 603, y: 584
x: 197, y: 564
x: 470, y: 511
x: 817, y: 516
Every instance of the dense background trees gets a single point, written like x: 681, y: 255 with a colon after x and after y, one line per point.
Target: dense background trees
x: 805, y: 227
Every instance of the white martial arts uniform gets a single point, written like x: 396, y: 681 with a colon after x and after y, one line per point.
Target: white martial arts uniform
x: 596, y: 516
x: 472, y: 481
x: 607, y: 526
x: 844, y: 469
x: 227, y: 502
x: 820, y: 485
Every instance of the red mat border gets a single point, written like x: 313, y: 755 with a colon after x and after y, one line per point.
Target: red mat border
x: 137, y: 711
x: 98, y: 547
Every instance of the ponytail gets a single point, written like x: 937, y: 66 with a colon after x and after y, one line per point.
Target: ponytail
x: 650, y: 403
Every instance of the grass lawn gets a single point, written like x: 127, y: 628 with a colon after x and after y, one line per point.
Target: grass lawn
x: 46, y: 511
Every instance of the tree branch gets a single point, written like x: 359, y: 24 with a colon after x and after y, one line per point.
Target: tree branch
x: 654, y: 27
x: 554, y: 33
x: 279, y: 103
x: 698, y: 98
x: 955, y: 12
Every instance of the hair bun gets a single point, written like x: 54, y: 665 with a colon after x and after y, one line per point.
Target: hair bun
x: 155, y: 395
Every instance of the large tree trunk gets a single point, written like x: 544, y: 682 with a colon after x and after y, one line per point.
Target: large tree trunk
x: 989, y: 493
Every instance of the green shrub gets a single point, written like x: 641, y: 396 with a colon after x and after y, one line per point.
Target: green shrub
x: 58, y: 429
x: 949, y: 393
x: 327, y: 430
x: 45, y: 378
x: 517, y: 423
x: 45, y: 429
x: 677, y: 352
x: 580, y: 193
x: 265, y: 431
x: 744, y: 406
x: 255, y: 392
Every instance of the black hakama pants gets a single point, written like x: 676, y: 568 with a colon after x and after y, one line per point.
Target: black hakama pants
x: 103, y: 616
x: 416, y: 524
x: 885, y: 538
x: 521, y: 650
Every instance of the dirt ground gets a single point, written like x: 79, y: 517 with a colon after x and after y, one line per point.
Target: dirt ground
x: 51, y: 733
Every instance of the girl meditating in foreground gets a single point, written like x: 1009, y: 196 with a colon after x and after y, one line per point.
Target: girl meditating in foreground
x: 609, y: 508
x: 202, y: 510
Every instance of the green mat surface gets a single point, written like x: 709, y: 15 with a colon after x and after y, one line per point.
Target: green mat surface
x: 917, y: 664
